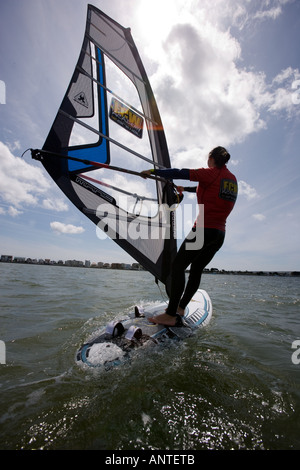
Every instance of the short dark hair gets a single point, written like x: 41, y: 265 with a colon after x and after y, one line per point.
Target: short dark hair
x: 220, y: 155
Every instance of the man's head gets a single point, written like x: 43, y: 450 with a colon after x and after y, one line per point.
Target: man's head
x: 218, y: 157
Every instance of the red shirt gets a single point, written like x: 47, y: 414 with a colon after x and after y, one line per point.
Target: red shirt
x: 217, y: 190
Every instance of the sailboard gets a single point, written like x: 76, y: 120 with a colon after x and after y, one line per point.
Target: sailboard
x: 106, y: 130
x: 121, y: 339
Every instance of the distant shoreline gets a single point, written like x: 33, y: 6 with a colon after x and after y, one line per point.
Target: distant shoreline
x: 134, y: 266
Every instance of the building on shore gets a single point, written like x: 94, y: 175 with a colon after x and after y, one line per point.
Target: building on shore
x: 6, y: 258
x: 133, y: 266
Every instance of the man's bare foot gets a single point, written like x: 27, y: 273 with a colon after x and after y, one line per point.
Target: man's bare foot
x: 180, y: 311
x: 164, y: 319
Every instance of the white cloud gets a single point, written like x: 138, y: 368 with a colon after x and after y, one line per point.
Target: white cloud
x: 260, y: 10
x: 14, y: 145
x: 245, y: 189
x: 59, y: 227
x: 190, y: 158
x: 282, y: 92
x: 273, y: 13
x: 55, y: 205
x: 13, y: 212
x: 259, y: 217
x: 20, y: 182
x: 205, y: 95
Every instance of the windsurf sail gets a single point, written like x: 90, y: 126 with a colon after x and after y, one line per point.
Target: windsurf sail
x: 109, y: 119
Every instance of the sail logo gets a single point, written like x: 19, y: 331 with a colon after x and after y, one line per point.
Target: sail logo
x: 81, y: 99
x: 2, y: 353
x: 126, y: 118
x: 2, y: 92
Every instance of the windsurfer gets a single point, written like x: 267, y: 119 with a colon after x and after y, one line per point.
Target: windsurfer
x: 216, y: 192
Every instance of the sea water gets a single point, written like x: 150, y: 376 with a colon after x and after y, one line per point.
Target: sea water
x: 233, y: 385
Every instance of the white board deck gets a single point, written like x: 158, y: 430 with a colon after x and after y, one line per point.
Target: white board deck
x: 114, y: 344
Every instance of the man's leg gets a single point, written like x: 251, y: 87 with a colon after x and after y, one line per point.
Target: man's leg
x: 182, y: 260
x: 213, y: 240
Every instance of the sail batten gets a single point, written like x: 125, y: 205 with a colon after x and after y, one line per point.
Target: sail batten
x: 96, y: 128
x: 115, y: 94
x: 96, y: 131
x: 115, y: 59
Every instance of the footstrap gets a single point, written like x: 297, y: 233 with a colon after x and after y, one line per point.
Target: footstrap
x: 179, y: 321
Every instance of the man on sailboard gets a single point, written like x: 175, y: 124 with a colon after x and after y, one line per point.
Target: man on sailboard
x: 217, y: 192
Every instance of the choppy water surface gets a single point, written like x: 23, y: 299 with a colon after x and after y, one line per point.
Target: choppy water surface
x: 233, y: 385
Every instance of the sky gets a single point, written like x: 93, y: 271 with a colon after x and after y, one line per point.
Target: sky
x: 224, y: 72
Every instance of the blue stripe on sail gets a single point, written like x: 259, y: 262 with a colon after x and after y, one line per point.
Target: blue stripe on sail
x: 102, y: 93
x: 97, y: 152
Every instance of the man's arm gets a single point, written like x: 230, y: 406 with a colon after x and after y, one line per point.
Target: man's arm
x: 169, y: 173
